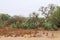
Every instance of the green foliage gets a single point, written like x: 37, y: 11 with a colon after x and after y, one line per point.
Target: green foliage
x: 31, y: 22
x: 4, y: 17
x: 16, y: 24
x: 24, y: 25
x: 55, y: 27
x: 55, y: 17
x: 29, y: 25
x: 36, y: 25
x: 13, y: 25
x: 50, y: 26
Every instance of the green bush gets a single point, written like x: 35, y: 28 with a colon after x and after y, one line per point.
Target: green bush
x: 50, y: 26
x: 55, y: 27
x: 35, y: 25
x: 24, y: 25
x: 18, y: 24
x: 29, y: 25
x: 13, y: 25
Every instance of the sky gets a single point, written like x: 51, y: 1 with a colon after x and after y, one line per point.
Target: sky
x: 24, y: 7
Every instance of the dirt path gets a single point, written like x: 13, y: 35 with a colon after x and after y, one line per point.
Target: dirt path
x: 21, y: 38
x: 33, y: 38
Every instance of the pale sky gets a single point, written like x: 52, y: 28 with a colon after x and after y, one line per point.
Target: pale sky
x: 24, y: 7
